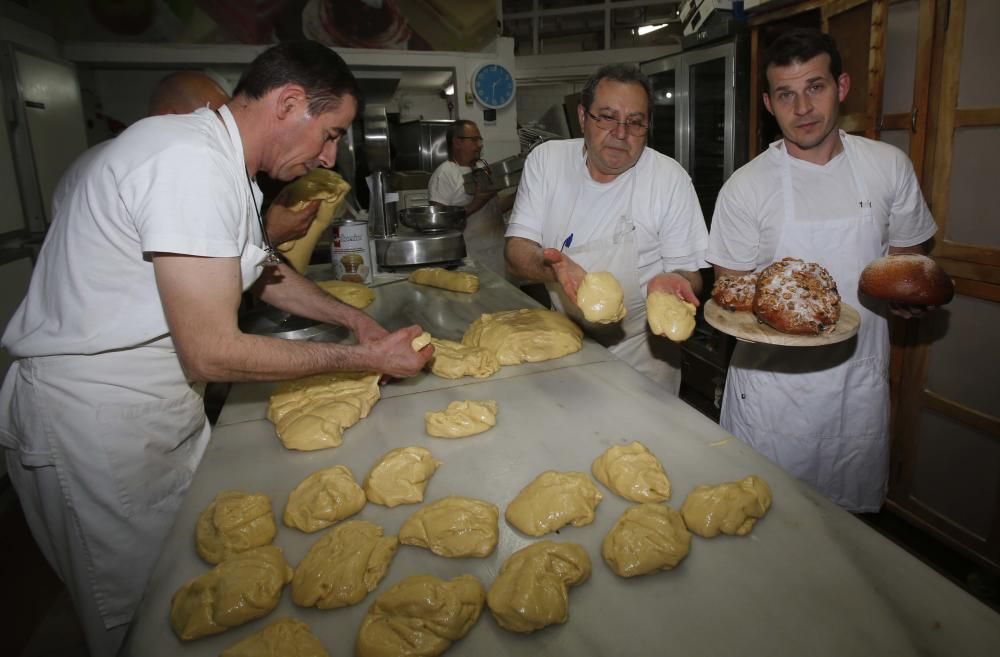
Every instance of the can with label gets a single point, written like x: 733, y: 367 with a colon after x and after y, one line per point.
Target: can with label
x: 349, y: 252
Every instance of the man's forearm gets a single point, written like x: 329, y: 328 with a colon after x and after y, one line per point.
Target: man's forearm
x: 290, y: 291
x: 524, y: 260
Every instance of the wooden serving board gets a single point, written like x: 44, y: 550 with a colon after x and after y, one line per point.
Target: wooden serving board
x: 744, y: 325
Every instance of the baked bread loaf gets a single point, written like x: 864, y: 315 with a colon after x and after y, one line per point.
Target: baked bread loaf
x: 735, y: 292
x: 797, y: 297
x: 907, y: 278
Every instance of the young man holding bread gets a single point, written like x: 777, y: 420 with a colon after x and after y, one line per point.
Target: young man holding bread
x: 842, y: 201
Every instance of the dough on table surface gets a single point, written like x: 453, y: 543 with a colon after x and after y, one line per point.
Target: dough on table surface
x: 453, y: 527
x: 531, y: 591
x: 420, y: 341
x: 323, y: 498
x: 461, y: 419
x: 313, y: 412
x: 319, y: 184
x: 453, y: 360
x: 400, y: 476
x: 421, y: 615
x: 601, y: 299
x: 553, y: 500
x: 343, y: 566
x: 285, y: 637
x: 730, y: 508
x: 456, y: 281
x: 646, y: 538
x: 525, y: 335
x: 358, y: 295
x: 243, y: 587
x: 670, y: 316
x: 235, y: 521
x: 633, y: 472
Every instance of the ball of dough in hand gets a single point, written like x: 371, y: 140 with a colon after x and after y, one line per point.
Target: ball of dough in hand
x: 421, y: 341
x: 601, y: 298
x: 670, y: 316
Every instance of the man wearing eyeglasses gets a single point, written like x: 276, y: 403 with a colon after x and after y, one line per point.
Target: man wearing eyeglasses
x: 484, y: 228
x: 609, y: 203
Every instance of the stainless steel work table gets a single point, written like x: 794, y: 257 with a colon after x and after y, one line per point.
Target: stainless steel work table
x: 809, y: 580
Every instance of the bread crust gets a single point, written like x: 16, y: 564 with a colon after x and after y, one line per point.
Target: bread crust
x: 797, y: 297
x: 735, y: 293
x: 907, y: 278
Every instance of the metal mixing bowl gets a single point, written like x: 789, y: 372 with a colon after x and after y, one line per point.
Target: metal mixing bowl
x: 432, y: 218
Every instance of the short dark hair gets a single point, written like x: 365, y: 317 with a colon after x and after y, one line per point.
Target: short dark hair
x: 800, y: 44
x: 455, y: 130
x: 624, y: 73
x: 317, y: 69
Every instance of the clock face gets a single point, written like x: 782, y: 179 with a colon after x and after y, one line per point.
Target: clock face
x: 493, y: 85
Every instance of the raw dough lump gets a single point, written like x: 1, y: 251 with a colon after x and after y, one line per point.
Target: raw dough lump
x: 243, y: 587
x: 730, y: 508
x: 284, y: 637
x: 461, y: 419
x: 453, y: 527
x: 234, y: 522
x: 400, y: 476
x: 453, y: 360
x: 553, y: 500
x: 525, y: 335
x: 420, y: 341
x: 343, y: 566
x: 353, y: 294
x: 313, y: 412
x: 321, y: 184
x: 532, y: 589
x: 421, y: 615
x: 323, y: 498
x: 601, y: 298
x: 456, y: 281
x: 670, y: 316
x: 633, y: 472
x: 646, y: 538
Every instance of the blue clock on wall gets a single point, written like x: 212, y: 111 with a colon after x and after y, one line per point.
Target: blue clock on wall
x: 493, y: 85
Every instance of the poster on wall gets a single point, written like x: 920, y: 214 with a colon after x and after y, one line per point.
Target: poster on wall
x: 443, y: 25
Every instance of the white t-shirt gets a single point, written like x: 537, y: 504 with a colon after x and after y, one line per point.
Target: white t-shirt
x: 447, y: 186
x: 173, y: 184
x: 749, y: 212
x: 557, y: 197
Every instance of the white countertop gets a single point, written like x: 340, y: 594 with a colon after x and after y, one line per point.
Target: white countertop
x: 809, y: 580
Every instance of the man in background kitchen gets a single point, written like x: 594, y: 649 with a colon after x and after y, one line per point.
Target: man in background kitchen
x: 821, y: 195
x: 133, y: 303
x: 484, y: 226
x: 609, y: 203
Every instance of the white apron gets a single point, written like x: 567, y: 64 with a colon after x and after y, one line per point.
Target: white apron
x: 822, y: 413
x: 629, y: 340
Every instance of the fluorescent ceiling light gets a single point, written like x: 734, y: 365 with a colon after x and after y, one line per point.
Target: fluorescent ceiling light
x: 449, y: 90
x: 646, y: 29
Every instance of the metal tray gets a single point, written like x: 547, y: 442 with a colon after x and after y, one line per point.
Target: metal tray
x: 432, y: 218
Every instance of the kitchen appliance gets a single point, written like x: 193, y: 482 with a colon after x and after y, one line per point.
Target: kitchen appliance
x: 395, y: 244
x: 487, y: 177
x: 420, y: 145
x: 433, y: 218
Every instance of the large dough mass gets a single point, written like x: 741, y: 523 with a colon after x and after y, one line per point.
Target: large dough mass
x: 323, y: 498
x: 453, y: 527
x: 601, y: 298
x: 553, y: 500
x: 343, y: 566
x: 670, y: 316
x: 461, y: 419
x: 453, y: 360
x: 400, y: 476
x: 284, y: 637
x: 420, y: 616
x: 313, y: 412
x: 730, y: 508
x: 646, y: 538
x: 632, y: 472
x: 243, y: 587
x: 525, y: 335
x: 531, y: 590
x: 234, y: 522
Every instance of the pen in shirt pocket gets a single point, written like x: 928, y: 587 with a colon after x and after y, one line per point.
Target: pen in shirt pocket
x: 566, y: 242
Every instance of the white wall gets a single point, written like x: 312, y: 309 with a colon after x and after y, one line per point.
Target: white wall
x: 416, y: 105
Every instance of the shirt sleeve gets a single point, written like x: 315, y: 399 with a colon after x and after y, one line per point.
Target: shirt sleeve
x: 683, y: 235
x: 527, y: 217
x: 185, y: 200
x: 910, y: 220
x: 734, y: 240
x: 447, y: 186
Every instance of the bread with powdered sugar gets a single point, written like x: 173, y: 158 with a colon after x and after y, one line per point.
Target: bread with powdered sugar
x: 797, y: 297
x: 735, y: 292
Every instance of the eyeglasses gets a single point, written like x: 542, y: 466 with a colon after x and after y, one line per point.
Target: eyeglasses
x: 609, y: 123
x: 478, y: 140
